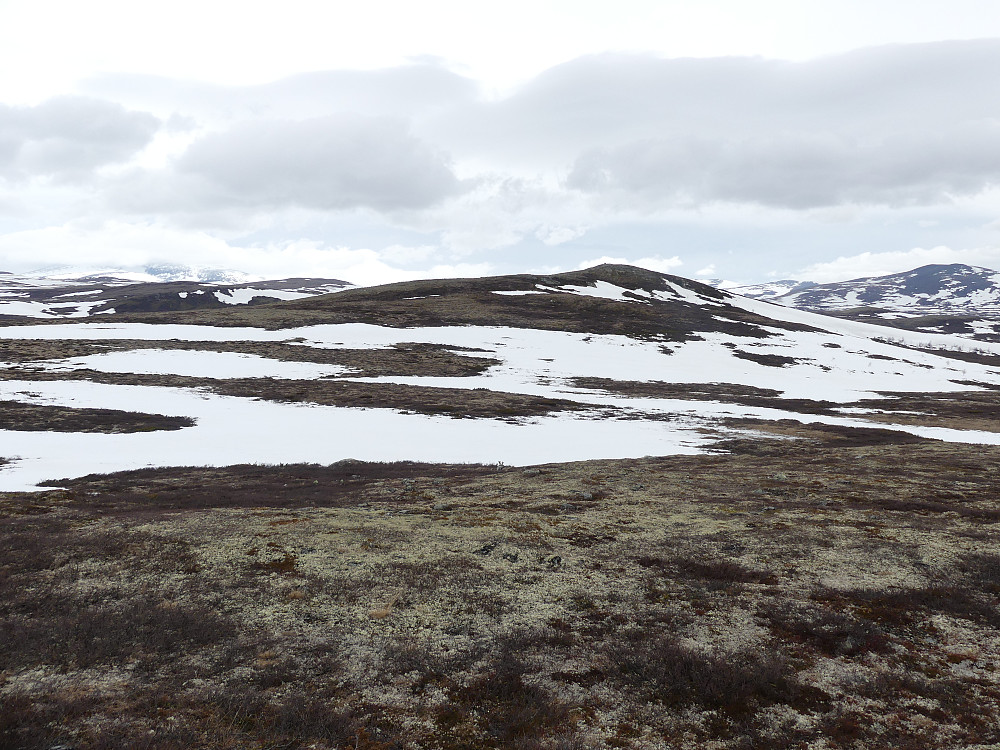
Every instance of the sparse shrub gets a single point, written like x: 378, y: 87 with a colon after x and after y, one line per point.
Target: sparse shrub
x: 902, y: 608
x: 286, y: 565
x: 833, y: 633
x: 982, y: 572
x: 145, y: 628
x: 725, y: 571
x: 719, y: 571
x: 662, y: 669
x: 508, y: 708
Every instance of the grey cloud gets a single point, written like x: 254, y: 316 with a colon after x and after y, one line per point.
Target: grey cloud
x: 68, y: 137
x: 337, y: 162
x: 604, y: 100
x: 896, y: 125
x: 889, y: 125
x: 796, y: 170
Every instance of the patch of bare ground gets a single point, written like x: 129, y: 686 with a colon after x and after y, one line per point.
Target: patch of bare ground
x: 453, y: 402
x: 955, y: 323
x: 963, y: 410
x: 971, y: 354
x: 960, y: 410
x: 15, y: 415
x: 836, y: 589
x: 730, y: 393
x: 419, y: 359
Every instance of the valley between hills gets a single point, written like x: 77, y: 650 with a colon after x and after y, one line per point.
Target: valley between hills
x: 604, y: 509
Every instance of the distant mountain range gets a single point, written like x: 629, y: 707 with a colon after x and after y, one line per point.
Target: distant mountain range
x: 953, y: 298
x: 953, y: 289
x: 769, y: 291
x: 68, y: 293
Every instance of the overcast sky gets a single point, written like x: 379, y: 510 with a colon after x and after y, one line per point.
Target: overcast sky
x: 374, y: 141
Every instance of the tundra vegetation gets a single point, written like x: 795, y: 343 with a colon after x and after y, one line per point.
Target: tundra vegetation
x: 838, y: 591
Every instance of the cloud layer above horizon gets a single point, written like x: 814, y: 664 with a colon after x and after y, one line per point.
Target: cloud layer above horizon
x: 726, y: 162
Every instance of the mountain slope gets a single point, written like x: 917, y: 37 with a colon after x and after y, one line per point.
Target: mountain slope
x: 100, y: 294
x: 772, y: 290
x: 590, y: 301
x: 933, y: 289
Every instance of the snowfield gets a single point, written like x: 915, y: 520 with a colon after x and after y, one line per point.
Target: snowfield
x: 234, y: 430
x: 839, y: 362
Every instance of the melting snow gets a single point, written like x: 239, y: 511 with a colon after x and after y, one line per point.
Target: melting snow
x: 233, y: 430
x: 836, y: 364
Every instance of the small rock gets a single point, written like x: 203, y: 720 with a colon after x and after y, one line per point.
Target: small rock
x: 443, y: 506
x: 510, y: 556
x: 532, y: 472
x: 553, y: 561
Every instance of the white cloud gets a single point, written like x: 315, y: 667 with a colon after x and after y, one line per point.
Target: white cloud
x: 403, y: 91
x: 558, y: 235
x: 706, y: 272
x: 455, y: 270
x: 231, y: 41
x: 406, y: 255
x: 499, y: 211
x: 110, y: 244
x: 126, y: 246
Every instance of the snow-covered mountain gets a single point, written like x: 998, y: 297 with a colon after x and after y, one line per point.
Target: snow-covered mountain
x: 71, y: 293
x: 153, y: 273
x: 771, y: 290
x: 954, y: 289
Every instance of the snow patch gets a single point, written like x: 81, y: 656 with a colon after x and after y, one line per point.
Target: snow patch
x: 243, y: 296
x: 196, y: 364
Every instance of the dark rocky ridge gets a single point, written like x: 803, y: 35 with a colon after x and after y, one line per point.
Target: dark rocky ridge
x: 77, y: 297
x: 446, y: 302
